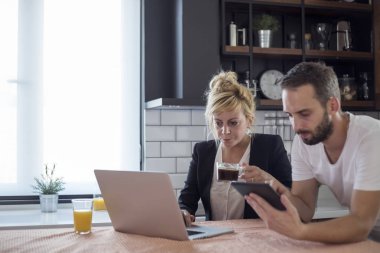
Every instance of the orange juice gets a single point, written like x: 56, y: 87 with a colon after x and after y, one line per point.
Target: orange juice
x: 99, y: 204
x: 82, y: 221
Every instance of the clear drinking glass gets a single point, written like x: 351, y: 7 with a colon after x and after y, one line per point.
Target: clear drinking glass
x: 82, y: 211
x: 228, y: 171
x: 99, y: 204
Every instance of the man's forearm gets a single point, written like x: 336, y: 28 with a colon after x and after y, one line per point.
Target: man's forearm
x: 340, y: 230
x: 305, y: 212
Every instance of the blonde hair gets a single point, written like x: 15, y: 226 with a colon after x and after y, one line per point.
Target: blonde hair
x: 226, y: 94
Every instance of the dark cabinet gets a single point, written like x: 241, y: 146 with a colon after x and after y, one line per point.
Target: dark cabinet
x: 180, y: 51
x: 344, y: 35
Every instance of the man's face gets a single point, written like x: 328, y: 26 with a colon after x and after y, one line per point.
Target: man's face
x: 310, y: 120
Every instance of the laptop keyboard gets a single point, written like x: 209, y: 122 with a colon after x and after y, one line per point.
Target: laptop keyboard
x: 192, y: 232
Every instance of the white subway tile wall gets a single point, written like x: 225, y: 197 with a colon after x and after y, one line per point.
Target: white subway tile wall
x: 175, y: 149
x: 153, y: 149
x: 177, y: 180
x: 160, y: 133
x: 172, y: 133
x: 183, y: 164
x: 176, y: 117
x: 198, y: 118
x: 167, y: 165
x: 191, y: 133
x: 152, y: 117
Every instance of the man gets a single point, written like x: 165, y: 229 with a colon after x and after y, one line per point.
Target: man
x: 331, y: 147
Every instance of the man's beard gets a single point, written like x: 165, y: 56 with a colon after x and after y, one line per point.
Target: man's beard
x: 321, y: 133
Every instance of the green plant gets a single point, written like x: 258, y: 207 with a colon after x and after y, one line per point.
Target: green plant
x: 48, y: 183
x: 265, y: 22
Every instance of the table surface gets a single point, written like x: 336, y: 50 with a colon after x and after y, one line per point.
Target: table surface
x: 249, y: 236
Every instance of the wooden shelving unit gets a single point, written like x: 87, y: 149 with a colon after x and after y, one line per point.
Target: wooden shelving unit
x: 298, y: 52
x: 363, y: 105
x: 339, y: 5
x: 339, y: 54
x: 302, y: 14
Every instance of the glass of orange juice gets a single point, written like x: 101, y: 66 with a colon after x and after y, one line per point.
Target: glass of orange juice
x: 82, y: 210
x: 99, y: 203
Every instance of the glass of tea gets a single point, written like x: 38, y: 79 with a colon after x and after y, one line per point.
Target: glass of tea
x: 228, y: 171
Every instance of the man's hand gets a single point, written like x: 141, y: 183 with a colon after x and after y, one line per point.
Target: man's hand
x: 285, y: 222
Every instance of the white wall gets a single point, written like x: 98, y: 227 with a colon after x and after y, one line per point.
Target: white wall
x: 171, y: 134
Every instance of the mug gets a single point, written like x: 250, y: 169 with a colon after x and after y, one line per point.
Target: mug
x: 228, y: 171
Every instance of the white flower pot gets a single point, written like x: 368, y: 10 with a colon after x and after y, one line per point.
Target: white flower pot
x: 49, y: 203
x: 265, y: 38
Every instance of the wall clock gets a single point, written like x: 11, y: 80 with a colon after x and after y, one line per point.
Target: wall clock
x: 270, y: 84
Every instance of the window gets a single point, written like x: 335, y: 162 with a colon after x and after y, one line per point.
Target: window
x: 70, y: 101
x: 8, y: 91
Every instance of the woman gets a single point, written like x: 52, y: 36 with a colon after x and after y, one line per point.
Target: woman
x: 230, y: 115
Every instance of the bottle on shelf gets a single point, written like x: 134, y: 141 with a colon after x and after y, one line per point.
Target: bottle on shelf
x: 233, y: 34
x: 292, y: 40
x: 363, y: 89
x: 247, y: 81
x: 308, y: 41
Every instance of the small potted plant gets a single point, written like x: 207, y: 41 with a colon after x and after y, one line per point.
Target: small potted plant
x: 265, y: 25
x: 48, y: 186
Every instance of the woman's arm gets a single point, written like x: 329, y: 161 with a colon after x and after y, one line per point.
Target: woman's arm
x: 189, y: 196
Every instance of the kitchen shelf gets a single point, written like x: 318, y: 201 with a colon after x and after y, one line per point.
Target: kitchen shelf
x: 318, y: 4
x: 267, y: 104
x: 276, y: 51
x: 298, y: 52
x: 263, y: 51
x: 338, y: 5
x: 281, y: 2
x: 300, y: 17
x: 358, y: 104
x: 339, y: 54
x: 353, y: 104
x: 237, y: 49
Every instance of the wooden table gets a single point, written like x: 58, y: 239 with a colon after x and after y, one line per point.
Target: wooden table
x: 249, y: 236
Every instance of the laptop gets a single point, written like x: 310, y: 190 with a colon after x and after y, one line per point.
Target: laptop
x: 144, y: 203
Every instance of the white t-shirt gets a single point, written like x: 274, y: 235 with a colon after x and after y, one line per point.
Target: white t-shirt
x: 358, y: 166
x: 226, y: 202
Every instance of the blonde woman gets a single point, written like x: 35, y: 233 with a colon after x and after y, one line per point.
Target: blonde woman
x: 230, y: 114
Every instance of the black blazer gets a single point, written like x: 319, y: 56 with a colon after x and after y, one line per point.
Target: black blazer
x: 267, y: 152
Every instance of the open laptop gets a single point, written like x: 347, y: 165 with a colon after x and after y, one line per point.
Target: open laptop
x: 144, y: 203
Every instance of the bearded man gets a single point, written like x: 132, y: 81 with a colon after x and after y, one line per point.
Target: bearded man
x: 333, y: 148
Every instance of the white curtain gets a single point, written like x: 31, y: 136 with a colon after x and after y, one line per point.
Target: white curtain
x: 75, y: 84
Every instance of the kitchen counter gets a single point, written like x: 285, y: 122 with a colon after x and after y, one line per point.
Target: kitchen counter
x: 30, y: 216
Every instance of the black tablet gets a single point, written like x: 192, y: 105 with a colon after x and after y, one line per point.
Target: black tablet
x: 263, y: 190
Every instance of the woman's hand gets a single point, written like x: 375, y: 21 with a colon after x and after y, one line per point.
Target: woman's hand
x: 187, y: 218
x: 255, y: 174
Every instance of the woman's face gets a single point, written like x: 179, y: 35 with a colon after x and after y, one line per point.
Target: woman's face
x: 231, y: 127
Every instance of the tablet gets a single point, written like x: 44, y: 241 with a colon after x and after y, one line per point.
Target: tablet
x: 263, y: 190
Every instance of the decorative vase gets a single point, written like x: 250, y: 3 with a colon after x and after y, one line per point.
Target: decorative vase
x: 265, y: 38
x: 49, y: 203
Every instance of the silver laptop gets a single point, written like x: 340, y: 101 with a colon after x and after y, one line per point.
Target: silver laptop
x: 144, y: 203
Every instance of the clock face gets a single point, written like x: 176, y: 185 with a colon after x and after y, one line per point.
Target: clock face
x: 270, y: 84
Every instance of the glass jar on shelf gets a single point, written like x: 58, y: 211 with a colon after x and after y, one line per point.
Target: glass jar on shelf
x: 348, y: 88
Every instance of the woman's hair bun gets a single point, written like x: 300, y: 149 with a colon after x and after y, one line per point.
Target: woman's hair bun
x: 224, y: 81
